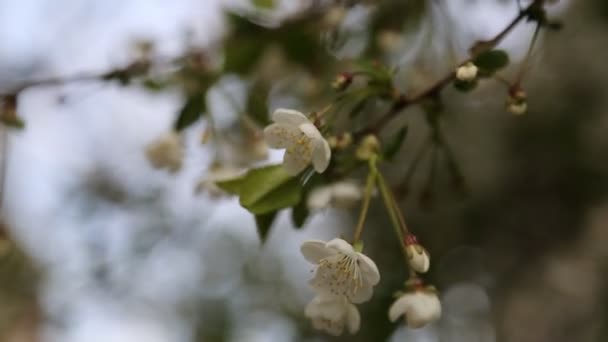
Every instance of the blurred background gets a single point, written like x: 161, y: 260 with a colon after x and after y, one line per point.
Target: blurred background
x: 98, y: 245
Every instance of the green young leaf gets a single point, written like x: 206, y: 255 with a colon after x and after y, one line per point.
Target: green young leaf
x: 268, y: 189
x: 283, y: 196
x: 394, y: 144
x: 491, y: 61
x: 191, y: 111
x: 264, y: 223
x: 231, y: 186
x: 263, y: 4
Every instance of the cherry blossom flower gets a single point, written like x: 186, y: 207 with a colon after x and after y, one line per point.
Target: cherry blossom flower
x: 341, y: 270
x: 419, y: 307
x: 303, y: 142
x: 332, y: 314
x: 417, y: 255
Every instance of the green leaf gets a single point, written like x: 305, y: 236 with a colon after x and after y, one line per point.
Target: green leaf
x: 191, y: 111
x: 465, y: 86
x: 265, y: 189
x: 299, y: 214
x: 491, y: 61
x: 263, y: 4
x: 394, y: 144
x: 264, y: 223
x: 283, y: 196
x: 231, y: 186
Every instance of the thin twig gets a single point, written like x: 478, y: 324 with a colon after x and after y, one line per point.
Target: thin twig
x: 402, y: 101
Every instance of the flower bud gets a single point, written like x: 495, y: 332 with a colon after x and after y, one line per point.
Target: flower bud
x: 342, y: 81
x: 166, y: 152
x: 368, y: 147
x: 516, y: 103
x: 417, y: 255
x: 467, y: 72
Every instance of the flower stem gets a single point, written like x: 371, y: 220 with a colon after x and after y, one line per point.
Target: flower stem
x: 525, y: 64
x: 393, y: 211
x: 369, y: 187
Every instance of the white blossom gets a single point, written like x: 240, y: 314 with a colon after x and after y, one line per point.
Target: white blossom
x: 166, y: 152
x: 417, y: 255
x: 419, y: 307
x: 341, y: 271
x: 303, y: 142
x: 344, y: 194
x: 467, y: 72
x: 517, y: 107
x: 332, y: 314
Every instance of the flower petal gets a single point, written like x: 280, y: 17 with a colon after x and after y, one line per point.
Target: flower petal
x: 321, y: 155
x: 289, y: 117
x: 281, y: 135
x: 341, y: 246
x: 315, y: 250
x: 353, y: 319
x: 311, y: 131
x: 363, y: 294
x: 369, y: 269
x: 295, y: 159
x: 399, y: 307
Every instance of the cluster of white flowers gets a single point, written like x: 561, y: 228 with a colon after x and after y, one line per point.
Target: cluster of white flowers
x: 343, y: 277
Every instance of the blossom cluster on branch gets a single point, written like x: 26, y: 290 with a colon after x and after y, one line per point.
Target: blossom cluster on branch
x: 325, y: 150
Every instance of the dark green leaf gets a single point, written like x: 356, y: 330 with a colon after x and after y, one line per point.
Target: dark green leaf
x: 492, y: 60
x: 394, y: 144
x: 190, y: 112
x: 299, y: 214
x: 264, y: 223
x: 465, y: 86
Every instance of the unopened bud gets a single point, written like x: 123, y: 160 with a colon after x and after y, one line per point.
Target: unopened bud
x: 517, y: 102
x: 342, y: 81
x: 467, y: 72
x: 417, y: 255
x: 368, y: 147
